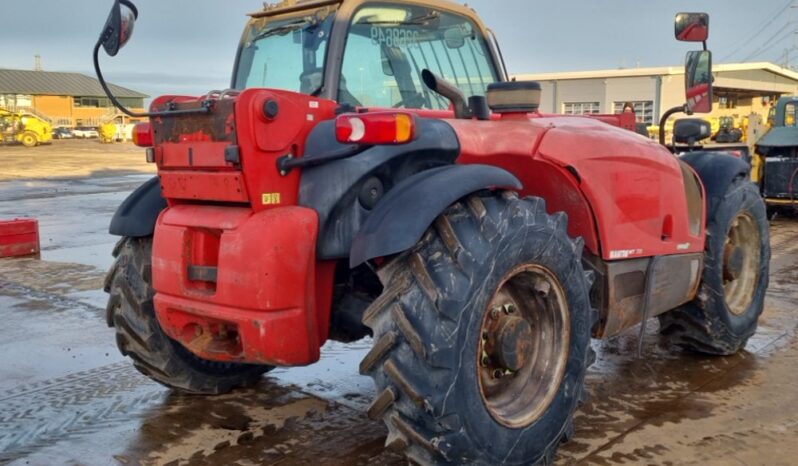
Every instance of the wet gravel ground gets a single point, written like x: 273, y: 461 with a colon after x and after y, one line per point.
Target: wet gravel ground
x: 68, y: 397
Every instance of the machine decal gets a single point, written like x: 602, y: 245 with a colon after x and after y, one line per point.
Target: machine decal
x: 394, y: 37
x: 625, y: 254
x: 271, y: 199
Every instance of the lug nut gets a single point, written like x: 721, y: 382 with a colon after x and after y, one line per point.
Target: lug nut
x: 485, y: 358
x: 498, y: 374
x: 508, y: 309
x: 543, y: 288
x: 494, y: 313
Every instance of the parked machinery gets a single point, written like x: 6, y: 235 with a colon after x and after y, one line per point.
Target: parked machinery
x: 728, y: 132
x: 21, y: 128
x: 778, y: 158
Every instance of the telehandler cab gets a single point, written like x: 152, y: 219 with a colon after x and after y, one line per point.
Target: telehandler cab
x: 372, y: 172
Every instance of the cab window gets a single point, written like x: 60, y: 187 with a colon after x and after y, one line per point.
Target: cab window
x: 286, y: 53
x: 388, y: 46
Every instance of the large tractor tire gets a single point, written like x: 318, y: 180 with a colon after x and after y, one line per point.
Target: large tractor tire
x: 482, y: 336
x: 29, y: 139
x: 725, y: 313
x: 139, y: 335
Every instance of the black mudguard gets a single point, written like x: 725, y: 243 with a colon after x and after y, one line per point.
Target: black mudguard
x: 335, y: 189
x: 717, y: 171
x: 138, y: 213
x: 406, y: 212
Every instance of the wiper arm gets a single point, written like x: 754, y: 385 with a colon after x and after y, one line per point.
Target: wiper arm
x: 284, y: 29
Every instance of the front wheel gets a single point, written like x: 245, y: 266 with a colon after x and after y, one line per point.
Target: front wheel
x: 482, y: 336
x: 725, y: 313
x: 29, y: 139
x: 139, y: 335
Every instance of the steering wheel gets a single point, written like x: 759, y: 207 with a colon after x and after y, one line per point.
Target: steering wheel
x: 416, y: 99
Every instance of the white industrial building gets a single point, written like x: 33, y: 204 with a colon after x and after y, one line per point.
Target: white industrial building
x: 740, y: 89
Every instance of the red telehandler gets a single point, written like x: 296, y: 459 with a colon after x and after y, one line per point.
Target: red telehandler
x: 373, y: 172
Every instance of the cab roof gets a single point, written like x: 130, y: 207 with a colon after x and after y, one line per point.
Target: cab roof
x: 288, y: 6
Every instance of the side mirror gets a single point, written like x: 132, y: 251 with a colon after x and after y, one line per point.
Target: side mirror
x: 454, y: 38
x: 698, y: 80
x: 692, y: 27
x: 119, y: 26
x: 691, y: 130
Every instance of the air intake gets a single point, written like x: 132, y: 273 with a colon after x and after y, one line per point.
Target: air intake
x: 514, y: 97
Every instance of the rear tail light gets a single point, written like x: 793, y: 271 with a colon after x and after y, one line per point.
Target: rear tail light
x: 376, y: 128
x: 142, y: 135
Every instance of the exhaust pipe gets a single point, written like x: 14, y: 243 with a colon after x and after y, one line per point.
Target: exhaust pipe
x: 448, y: 90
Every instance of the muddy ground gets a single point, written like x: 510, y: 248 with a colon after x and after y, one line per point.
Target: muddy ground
x: 68, y: 397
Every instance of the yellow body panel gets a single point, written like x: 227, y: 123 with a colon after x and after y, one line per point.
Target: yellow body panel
x: 108, y: 132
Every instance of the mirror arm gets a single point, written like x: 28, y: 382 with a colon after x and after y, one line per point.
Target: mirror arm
x: 666, y: 116
x: 206, y: 105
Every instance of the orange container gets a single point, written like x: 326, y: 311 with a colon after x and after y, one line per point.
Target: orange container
x: 19, y: 237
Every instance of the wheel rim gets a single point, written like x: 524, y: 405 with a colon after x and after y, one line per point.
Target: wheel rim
x: 524, y: 345
x: 741, y: 263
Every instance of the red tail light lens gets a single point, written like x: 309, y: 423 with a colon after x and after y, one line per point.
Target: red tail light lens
x: 142, y: 135
x: 379, y: 128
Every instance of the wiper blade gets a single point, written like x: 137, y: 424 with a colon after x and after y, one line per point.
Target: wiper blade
x: 418, y: 21
x: 284, y: 29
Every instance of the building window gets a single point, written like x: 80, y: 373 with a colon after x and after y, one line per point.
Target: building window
x: 644, y: 110
x: 91, y: 102
x: 130, y: 102
x: 581, y: 108
x: 727, y: 102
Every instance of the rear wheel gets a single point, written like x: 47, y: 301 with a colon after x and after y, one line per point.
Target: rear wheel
x: 29, y: 139
x: 736, y: 266
x: 139, y: 335
x: 482, y: 336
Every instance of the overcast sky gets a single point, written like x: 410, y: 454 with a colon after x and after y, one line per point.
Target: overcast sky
x: 188, y: 46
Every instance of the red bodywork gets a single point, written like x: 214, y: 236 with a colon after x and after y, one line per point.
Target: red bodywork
x: 623, y: 193
x: 694, y: 33
x: 269, y: 300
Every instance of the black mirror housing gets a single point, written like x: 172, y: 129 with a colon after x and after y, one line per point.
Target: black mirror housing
x: 698, y: 81
x: 692, y: 27
x: 691, y: 130
x: 119, y: 26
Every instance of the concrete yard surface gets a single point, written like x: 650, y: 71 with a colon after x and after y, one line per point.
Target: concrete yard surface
x: 68, y: 397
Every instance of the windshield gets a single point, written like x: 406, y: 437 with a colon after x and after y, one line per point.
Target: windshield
x: 389, y: 45
x: 286, y: 53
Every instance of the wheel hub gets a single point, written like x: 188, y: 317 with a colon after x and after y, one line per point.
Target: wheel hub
x: 733, y: 263
x: 514, y: 343
x: 741, y: 263
x: 523, y: 351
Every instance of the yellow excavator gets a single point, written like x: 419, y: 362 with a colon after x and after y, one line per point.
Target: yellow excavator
x: 22, y: 128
